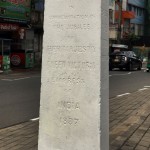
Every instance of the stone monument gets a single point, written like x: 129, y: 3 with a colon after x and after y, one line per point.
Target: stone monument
x: 74, y: 90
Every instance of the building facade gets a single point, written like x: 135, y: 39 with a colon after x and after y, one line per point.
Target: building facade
x: 131, y: 14
x: 21, y: 27
x: 15, y: 35
x: 119, y: 16
x: 112, y: 24
x: 37, y: 17
x: 137, y: 24
x: 147, y: 18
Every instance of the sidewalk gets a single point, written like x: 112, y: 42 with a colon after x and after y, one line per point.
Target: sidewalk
x: 130, y: 121
x: 20, y: 137
x: 129, y: 126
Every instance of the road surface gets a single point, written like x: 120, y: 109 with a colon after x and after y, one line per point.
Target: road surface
x: 19, y: 98
x: 122, y: 82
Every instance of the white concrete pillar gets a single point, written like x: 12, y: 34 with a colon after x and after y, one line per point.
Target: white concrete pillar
x: 74, y: 91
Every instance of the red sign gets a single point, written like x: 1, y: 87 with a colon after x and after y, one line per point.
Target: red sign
x: 125, y: 15
x: 8, y: 27
x: 16, y: 1
x: 17, y: 59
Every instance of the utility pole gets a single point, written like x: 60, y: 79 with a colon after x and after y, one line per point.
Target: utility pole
x: 119, y: 2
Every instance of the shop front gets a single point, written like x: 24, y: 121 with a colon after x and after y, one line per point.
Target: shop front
x: 22, y: 49
x: 5, y: 45
x: 6, y: 34
x: 22, y: 58
x: 16, y: 44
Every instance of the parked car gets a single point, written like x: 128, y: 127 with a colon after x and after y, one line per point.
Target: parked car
x: 124, y: 60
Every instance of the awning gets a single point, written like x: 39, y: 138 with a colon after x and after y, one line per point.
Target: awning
x: 125, y: 14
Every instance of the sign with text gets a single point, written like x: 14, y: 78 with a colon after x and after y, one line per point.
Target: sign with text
x: 15, y: 9
x: 70, y: 109
x: 8, y: 27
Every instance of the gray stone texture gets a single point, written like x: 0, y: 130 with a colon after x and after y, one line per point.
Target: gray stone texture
x: 74, y: 76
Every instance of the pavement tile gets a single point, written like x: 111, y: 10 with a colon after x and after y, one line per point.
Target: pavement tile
x: 17, y: 147
x: 136, y: 137
x: 141, y: 148
x: 134, y: 123
x: 139, y: 132
x: 131, y: 143
x: 146, y: 125
x: 147, y: 135
x: 126, y: 148
x: 113, y: 148
x: 146, y: 139
x: 23, y: 136
x: 144, y: 143
x: 119, y: 141
x: 142, y: 127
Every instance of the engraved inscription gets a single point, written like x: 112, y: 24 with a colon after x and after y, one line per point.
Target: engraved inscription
x: 85, y: 65
x: 78, y: 16
x: 84, y: 26
x: 71, y: 49
x: 81, y: 65
x: 71, y: 75
x: 57, y: 64
x: 67, y: 78
x: 69, y: 120
x: 65, y: 108
x: 68, y: 105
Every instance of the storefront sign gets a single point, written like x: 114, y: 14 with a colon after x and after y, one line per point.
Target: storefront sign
x: 15, y: 9
x: 8, y: 27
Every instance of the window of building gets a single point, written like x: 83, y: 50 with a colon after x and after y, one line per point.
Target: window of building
x: 129, y: 7
x: 132, y: 8
x: 140, y: 12
x: 137, y: 11
x: 140, y: 30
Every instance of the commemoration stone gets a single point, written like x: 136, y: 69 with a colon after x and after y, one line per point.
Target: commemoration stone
x: 70, y: 90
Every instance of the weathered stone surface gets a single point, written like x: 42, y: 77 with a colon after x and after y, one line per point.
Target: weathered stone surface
x: 70, y: 109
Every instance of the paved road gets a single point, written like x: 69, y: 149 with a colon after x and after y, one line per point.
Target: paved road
x: 20, y: 93
x: 121, y: 82
x: 19, y: 98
